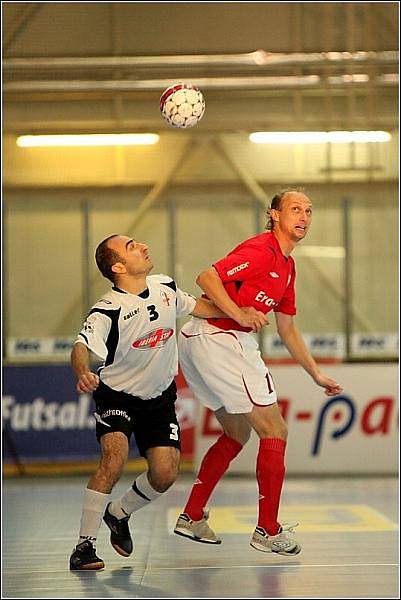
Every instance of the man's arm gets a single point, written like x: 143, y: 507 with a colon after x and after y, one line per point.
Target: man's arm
x: 213, y: 287
x: 294, y: 343
x: 205, y: 309
x: 87, y: 381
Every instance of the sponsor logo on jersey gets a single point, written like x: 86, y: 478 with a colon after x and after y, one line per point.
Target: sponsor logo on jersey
x: 154, y: 339
x: 262, y: 297
x: 274, y: 275
x: 105, y: 301
x: 131, y: 314
x: 244, y: 265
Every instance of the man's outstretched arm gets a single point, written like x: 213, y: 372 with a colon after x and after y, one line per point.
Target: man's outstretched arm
x: 295, y: 345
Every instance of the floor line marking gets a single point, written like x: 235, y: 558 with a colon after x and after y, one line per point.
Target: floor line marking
x: 153, y: 570
x: 274, y: 566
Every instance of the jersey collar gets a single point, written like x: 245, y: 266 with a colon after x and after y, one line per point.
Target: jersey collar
x: 144, y: 295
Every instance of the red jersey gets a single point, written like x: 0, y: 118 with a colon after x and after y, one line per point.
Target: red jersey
x: 256, y: 273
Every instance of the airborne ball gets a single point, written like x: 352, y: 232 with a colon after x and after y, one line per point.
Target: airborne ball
x: 182, y: 105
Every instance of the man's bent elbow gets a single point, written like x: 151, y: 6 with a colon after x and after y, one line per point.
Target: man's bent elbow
x: 200, y: 279
x: 205, y: 276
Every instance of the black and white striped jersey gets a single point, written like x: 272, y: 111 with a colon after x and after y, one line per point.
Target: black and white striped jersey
x: 135, y: 336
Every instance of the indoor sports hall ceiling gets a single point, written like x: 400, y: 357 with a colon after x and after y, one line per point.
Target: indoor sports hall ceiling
x: 102, y: 66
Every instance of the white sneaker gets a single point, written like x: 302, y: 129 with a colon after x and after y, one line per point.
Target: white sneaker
x: 198, y: 531
x: 282, y: 543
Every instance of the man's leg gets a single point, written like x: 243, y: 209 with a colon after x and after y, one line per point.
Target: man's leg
x: 215, y: 463
x: 163, y: 465
x: 157, y: 435
x: 163, y: 462
x: 270, y: 471
x: 217, y: 460
x: 114, y: 453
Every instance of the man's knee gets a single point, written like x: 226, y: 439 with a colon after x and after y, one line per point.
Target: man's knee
x: 238, y: 429
x: 268, y: 422
x: 239, y: 434
x: 163, y: 477
x: 112, y: 467
x: 163, y: 463
x: 274, y: 430
x: 162, y: 474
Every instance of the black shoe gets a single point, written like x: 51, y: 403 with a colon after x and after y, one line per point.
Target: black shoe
x: 84, y: 558
x: 120, y: 537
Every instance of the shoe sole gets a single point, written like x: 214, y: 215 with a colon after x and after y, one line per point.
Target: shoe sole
x: 120, y: 551
x: 296, y: 551
x: 90, y: 567
x: 196, y: 539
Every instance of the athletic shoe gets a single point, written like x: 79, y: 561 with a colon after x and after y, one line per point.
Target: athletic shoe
x: 282, y: 543
x: 120, y: 537
x: 84, y: 558
x: 198, y: 531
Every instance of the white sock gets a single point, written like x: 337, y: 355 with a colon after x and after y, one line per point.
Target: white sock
x: 140, y: 494
x: 92, y: 514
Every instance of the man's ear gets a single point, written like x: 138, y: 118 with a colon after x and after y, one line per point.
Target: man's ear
x: 274, y: 214
x: 119, y: 268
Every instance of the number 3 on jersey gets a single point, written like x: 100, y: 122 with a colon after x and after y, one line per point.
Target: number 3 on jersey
x: 174, y: 431
x: 153, y: 314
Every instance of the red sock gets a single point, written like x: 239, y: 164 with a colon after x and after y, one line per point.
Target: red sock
x: 214, y: 465
x: 270, y: 471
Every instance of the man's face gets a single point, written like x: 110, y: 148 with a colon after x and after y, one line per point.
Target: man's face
x: 294, y: 216
x: 135, y: 258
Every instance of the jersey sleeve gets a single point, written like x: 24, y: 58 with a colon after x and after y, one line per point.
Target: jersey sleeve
x: 185, y: 303
x: 242, y: 264
x: 94, y: 333
x: 287, y: 302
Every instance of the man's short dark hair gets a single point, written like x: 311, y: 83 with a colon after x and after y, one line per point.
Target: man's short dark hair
x: 275, y: 203
x: 106, y: 258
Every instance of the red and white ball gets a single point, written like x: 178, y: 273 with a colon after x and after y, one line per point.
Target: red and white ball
x: 182, y: 105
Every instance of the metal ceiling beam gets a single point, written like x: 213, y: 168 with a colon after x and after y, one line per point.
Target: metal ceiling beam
x: 259, y: 58
x: 20, y: 23
x: 206, y: 83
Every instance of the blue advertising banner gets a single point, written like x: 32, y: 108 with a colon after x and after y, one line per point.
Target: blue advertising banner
x: 45, y: 419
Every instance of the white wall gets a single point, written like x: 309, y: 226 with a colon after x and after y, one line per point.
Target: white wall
x: 356, y: 432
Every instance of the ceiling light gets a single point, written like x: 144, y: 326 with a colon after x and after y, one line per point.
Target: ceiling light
x: 318, y: 137
x: 91, y: 139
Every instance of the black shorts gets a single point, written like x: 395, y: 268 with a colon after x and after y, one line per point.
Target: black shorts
x: 153, y: 422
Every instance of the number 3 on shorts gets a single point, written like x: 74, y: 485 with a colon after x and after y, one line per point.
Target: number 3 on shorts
x: 174, y: 431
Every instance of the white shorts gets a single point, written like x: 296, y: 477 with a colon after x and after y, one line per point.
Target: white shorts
x: 224, y: 369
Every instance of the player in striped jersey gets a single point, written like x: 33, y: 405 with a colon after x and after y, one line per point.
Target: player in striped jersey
x: 132, y: 328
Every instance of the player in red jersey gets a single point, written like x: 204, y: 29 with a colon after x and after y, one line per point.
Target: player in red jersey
x: 223, y: 367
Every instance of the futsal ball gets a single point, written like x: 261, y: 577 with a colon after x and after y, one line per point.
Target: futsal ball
x: 182, y: 105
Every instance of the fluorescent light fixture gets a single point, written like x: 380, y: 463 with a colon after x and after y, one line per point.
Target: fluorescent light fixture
x: 91, y: 139
x: 318, y: 137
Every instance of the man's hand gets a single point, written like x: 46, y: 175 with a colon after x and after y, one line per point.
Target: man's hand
x: 250, y: 317
x: 331, y: 387
x: 87, y: 382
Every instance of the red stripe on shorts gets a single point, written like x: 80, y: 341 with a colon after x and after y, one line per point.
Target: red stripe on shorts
x: 227, y: 333
x: 249, y: 395
x: 189, y: 336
